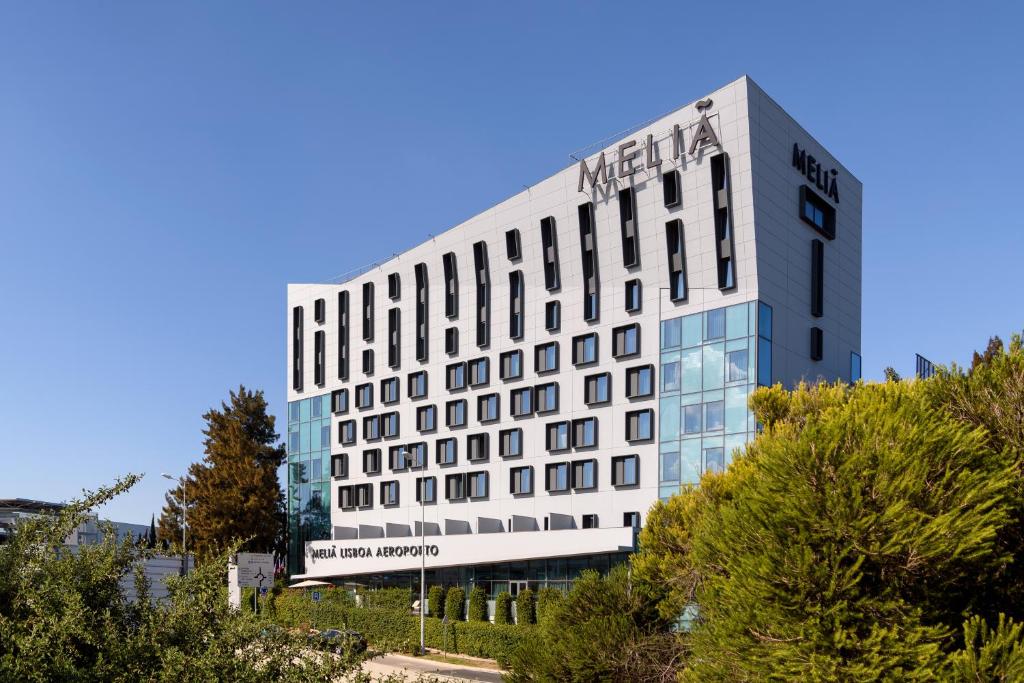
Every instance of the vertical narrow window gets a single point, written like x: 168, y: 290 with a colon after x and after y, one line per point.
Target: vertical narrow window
x: 394, y: 339
x: 451, y: 285
x: 817, y: 343
x: 513, y: 245
x: 394, y: 286
x: 725, y: 246
x: 549, y: 241
x: 319, y: 311
x: 297, y: 342
x: 628, y: 226
x: 672, y: 190
x: 421, y: 311
x: 817, y: 278
x: 319, y: 373
x: 483, y: 294
x: 552, y: 316
x: 368, y: 311
x: 676, y: 260
x: 368, y: 361
x: 633, y: 295
x: 451, y: 341
x: 855, y: 375
x: 588, y: 253
x: 515, y: 308
x: 343, y: 328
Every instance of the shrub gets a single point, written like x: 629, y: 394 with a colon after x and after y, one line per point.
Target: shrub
x: 547, y: 598
x: 399, y: 599
x: 503, y: 608
x: 478, y: 604
x: 526, y: 607
x: 455, y: 604
x: 435, y: 598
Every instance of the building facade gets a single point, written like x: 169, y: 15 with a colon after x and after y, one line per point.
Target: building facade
x: 523, y: 387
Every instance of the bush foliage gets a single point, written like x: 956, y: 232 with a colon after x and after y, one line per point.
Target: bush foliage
x: 503, y: 608
x: 64, y: 617
x: 435, y: 600
x: 455, y: 604
x: 526, y: 607
x: 478, y: 604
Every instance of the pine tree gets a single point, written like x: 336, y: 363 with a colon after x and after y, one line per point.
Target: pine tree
x: 151, y: 538
x: 234, y: 492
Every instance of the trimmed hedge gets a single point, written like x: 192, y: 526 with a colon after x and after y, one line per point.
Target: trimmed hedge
x: 503, y: 608
x: 397, y: 631
x: 455, y: 604
x: 435, y: 600
x: 526, y: 607
x: 388, y: 598
x: 296, y: 608
x: 478, y: 604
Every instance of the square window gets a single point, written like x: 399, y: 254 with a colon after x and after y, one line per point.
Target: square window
x: 521, y: 480
x: 597, y: 389
x: 546, y: 359
x: 511, y: 443
x: 626, y: 341
x: 692, y: 419
x: 714, y: 324
x: 557, y: 436
x: 418, y: 384
x: 447, y: 451
x: 456, y: 376
x: 736, y: 365
x: 639, y: 425
x: 455, y: 413
x: 522, y: 402
x: 547, y: 397
x: 584, y: 349
x: 487, y: 408
x: 556, y: 477
x: 714, y: 459
x: 714, y: 415
x: 640, y: 381
x: 512, y: 364
x: 625, y: 470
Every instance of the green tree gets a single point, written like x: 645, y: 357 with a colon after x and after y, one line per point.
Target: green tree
x: 547, y: 599
x: 846, y: 544
x: 602, y: 630
x: 234, y: 492
x: 65, y: 617
x: 478, y: 604
x: 435, y: 599
x: 455, y: 604
x: 526, y: 607
x: 503, y: 608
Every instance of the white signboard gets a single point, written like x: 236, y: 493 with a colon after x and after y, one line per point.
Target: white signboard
x: 326, y: 559
x: 253, y: 569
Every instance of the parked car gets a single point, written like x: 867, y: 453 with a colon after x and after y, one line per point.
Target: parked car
x: 340, y: 642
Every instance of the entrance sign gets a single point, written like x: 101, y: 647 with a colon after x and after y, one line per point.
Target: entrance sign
x: 316, y: 596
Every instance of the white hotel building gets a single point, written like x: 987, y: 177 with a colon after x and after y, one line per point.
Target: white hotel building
x: 528, y: 383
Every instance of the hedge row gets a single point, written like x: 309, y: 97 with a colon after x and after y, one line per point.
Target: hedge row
x: 397, y: 630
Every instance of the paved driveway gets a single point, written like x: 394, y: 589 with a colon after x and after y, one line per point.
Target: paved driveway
x: 413, y: 667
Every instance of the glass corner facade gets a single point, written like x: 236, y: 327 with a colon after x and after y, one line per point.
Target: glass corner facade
x: 710, y: 363
x: 309, y: 476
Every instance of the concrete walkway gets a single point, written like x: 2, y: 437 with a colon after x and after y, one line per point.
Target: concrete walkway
x: 414, y: 666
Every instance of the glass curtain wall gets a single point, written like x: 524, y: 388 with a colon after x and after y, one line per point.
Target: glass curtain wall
x: 309, y: 476
x: 710, y: 362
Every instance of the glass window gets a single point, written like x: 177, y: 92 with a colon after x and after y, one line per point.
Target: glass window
x: 304, y: 410
x: 670, y: 463
x: 855, y: 375
x: 764, y: 320
x: 692, y: 370
x: 671, y: 331
x: 714, y: 366
x: 692, y: 419
x: 293, y: 411
x: 315, y: 407
x: 692, y: 332
x: 669, y: 418
x: 714, y: 459
x: 764, y: 362
x: 736, y: 409
x: 736, y: 365
x: 670, y: 376
x: 689, y: 461
x: 714, y: 324
x: 736, y: 321
x: 714, y: 416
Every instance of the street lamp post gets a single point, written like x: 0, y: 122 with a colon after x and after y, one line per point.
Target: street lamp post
x: 421, y: 494
x: 184, y: 555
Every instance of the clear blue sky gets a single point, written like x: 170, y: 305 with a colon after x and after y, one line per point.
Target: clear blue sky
x: 166, y: 168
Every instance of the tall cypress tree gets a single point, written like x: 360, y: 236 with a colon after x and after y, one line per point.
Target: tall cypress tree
x: 234, y: 492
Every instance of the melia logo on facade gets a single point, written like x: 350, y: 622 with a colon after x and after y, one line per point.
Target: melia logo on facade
x: 823, y: 180
x: 703, y: 135
x: 333, y: 552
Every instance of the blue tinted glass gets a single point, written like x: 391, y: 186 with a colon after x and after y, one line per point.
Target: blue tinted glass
x: 736, y: 366
x: 714, y: 366
x: 293, y: 411
x: 514, y: 364
x: 764, y: 362
x: 325, y: 473
x: 736, y: 321
x: 692, y: 419
x: 670, y: 377
x: 670, y: 466
x: 644, y: 425
x: 714, y: 416
x: 736, y: 409
x: 692, y: 370
x: 714, y: 325
x: 764, y: 320
x: 631, y: 341
x: 692, y: 332
x: 293, y: 440
x: 602, y: 388
x: 714, y: 459
x: 304, y: 410
x: 629, y: 471
x: 671, y: 331
x: 669, y: 425
x: 314, y: 439
x: 304, y: 438
x: 563, y: 476
x: 315, y: 406
x: 689, y: 461
x: 644, y: 383
x: 855, y: 367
